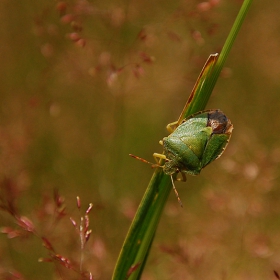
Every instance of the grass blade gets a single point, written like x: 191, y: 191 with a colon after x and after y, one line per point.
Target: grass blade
x: 138, y: 242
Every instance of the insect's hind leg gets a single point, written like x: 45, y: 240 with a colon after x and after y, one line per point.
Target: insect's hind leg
x: 172, y: 126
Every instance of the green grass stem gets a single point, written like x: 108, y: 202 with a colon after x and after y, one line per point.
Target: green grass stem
x: 139, y: 239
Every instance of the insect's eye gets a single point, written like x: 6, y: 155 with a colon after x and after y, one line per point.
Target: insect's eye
x: 218, y: 121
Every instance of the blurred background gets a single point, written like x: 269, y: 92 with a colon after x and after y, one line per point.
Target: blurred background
x: 85, y: 83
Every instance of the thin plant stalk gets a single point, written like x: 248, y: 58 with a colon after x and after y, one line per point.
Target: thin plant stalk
x: 139, y: 239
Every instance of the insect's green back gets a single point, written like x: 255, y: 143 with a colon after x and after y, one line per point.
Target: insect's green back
x: 196, y: 142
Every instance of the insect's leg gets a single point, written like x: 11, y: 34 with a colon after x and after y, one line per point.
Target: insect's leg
x: 158, y: 157
x: 172, y: 126
x: 183, y: 178
x: 176, y: 192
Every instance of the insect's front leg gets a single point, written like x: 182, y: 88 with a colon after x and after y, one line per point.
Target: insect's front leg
x: 158, y: 157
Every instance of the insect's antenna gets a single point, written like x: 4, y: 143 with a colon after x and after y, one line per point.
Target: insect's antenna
x: 143, y: 160
x: 175, y: 190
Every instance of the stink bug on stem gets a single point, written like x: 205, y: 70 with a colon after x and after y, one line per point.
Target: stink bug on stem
x: 193, y: 144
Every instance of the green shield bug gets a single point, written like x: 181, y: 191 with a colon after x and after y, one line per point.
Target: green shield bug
x: 193, y: 144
